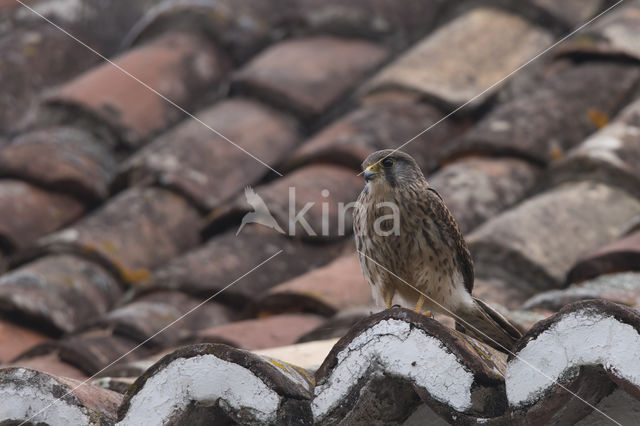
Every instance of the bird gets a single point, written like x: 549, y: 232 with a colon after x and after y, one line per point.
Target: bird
x: 260, y: 214
x: 411, y: 249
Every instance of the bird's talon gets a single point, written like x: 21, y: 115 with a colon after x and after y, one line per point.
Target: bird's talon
x: 428, y: 314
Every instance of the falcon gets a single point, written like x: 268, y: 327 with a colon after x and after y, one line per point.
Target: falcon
x: 412, y: 251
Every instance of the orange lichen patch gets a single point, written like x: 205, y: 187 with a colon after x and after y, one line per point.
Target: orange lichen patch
x: 598, y: 118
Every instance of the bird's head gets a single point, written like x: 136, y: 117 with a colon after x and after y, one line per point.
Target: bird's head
x: 388, y: 170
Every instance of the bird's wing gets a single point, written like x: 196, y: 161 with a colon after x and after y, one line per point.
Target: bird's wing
x: 452, y: 232
x: 436, y: 192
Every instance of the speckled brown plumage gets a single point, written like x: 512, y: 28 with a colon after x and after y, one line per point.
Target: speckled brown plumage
x: 406, y: 236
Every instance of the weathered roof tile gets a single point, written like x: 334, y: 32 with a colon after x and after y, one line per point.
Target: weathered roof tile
x: 226, y: 258
x: 28, y: 212
x: 376, y: 125
x: 556, y: 116
x: 588, y: 347
x: 309, y: 75
x: 135, y: 231
x: 621, y: 287
x: 456, y: 376
x: 34, y: 57
x: 262, y: 333
x: 326, y: 290
x: 202, y: 165
x: 615, y: 34
x: 38, y: 398
x: 246, y: 388
x: 58, y: 292
x: 611, y: 155
x: 476, y: 188
x: 535, y: 244
x: 320, y: 194
x: 619, y: 256
x: 121, y: 108
x: 66, y: 159
x: 147, y: 315
x: 16, y: 338
x: 464, y: 57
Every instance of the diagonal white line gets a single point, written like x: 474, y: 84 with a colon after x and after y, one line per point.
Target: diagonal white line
x: 172, y: 103
x: 580, y: 28
x: 154, y: 335
x: 489, y: 338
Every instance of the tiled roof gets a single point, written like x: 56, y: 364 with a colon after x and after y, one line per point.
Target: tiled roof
x: 133, y: 292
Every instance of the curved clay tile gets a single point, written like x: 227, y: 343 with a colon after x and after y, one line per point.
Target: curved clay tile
x: 34, y: 397
x: 589, y: 348
x: 534, y: 244
x: 245, y: 389
x: 380, y: 365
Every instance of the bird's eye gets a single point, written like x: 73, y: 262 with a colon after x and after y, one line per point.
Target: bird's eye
x: 387, y: 162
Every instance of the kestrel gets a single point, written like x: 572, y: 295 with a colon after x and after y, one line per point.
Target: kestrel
x: 406, y: 235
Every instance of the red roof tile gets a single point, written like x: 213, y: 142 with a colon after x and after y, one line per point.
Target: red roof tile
x: 27, y: 212
x: 266, y: 332
x: 138, y: 230
x: 226, y: 258
x: 15, y: 339
x: 309, y: 75
x: 391, y: 119
x: 319, y: 194
x: 61, y: 292
x: 202, y: 165
x: 326, y: 290
x: 184, y: 67
x: 171, y: 311
x: 63, y: 158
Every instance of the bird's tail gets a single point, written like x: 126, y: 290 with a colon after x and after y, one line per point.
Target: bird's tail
x: 484, y: 323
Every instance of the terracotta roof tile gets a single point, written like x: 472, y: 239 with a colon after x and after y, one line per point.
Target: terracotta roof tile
x: 535, y: 244
x: 474, y: 51
x: 34, y: 57
x: 322, y: 192
x: 613, y: 35
x: 397, y: 24
x: 503, y: 293
x: 621, y: 287
x: 88, y: 352
x: 145, y: 316
x: 58, y: 292
x: 240, y: 27
x: 405, y: 346
x: 137, y: 230
x: 227, y: 257
x: 573, y: 13
x: 326, y: 290
x: 618, y: 256
x: 37, y: 398
x: 27, y: 212
x: 16, y: 338
x: 579, y: 348
x: 338, y: 325
x: 568, y: 106
x: 309, y: 75
x: 476, y: 189
x: 262, y: 333
x: 185, y: 66
x: 247, y: 388
x: 393, y: 119
x: 205, y: 167
x: 50, y: 364
x: 66, y: 159
x: 611, y: 155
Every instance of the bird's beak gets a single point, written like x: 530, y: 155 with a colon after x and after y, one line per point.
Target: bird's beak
x: 370, y: 173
